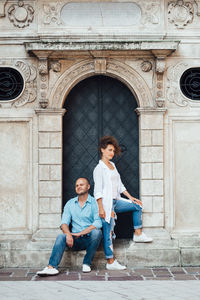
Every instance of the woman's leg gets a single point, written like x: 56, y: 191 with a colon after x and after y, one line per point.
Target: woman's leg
x: 121, y: 206
x: 107, y: 240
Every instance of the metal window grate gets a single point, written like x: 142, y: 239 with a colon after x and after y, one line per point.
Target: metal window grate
x: 190, y: 83
x: 11, y: 83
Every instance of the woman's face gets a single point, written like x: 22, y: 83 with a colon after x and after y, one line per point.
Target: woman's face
x: 108, y: 153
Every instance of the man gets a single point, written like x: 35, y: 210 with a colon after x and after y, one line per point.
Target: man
x: 82, y: 212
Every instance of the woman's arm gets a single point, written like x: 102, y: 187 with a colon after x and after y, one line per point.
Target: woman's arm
x: 98, y: 190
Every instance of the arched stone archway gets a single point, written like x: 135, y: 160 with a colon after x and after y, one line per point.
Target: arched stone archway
x: 114, y: 68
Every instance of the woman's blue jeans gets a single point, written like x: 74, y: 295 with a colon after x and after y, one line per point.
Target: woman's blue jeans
x: 89, y: 242
x: 119, y: 206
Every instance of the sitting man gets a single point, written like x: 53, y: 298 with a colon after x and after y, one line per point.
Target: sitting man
x: 82, y: 212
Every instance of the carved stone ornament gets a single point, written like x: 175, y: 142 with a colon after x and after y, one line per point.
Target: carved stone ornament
x: 180, y: 13
x: 174, y: 94
x: 151, y: 11
x: 55, y: 66
x: 100, y: 65
x: 52, y: 13
x: 2, y: 8
x: 146, y: 66
x: 160, y: 64
x: 21, y: 15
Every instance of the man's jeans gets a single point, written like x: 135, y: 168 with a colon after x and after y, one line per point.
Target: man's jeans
x: 119, y: 206
x: 89, y: 242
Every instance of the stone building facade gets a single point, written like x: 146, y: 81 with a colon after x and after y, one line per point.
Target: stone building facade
x: 54, y: 45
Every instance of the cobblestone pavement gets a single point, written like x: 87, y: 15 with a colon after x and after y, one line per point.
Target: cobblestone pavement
x: 136, y: 274
x: 174, y: 283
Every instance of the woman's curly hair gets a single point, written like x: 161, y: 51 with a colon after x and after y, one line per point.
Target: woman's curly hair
x: 109, y: 140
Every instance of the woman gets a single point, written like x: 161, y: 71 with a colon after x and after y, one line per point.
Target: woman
x: 107, y: 189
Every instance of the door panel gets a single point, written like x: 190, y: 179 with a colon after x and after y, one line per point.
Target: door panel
x: 99, y: 106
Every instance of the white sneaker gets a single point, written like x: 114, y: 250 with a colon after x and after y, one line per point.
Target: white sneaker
x: 142, y: 238
x: 86, y: 268
x: 47, y: 272
x: 115, y: 266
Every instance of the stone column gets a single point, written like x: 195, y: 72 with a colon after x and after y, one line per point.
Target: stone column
x: 50, y: 170
x: 151, y: 165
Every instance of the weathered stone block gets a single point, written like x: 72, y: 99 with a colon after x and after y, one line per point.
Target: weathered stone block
x: 55, y: 139
x: 50, y: 123
x: 49, y: 220
x: 158, y: 170
x: 44, y: 141
x: 147, y: 204
x: 55, y: 205
x: 49, y: 156
x: 157, y: 137
x: 151, y: 121
x: 44, y: 205
x: 151, y: 154
x: 153, y: 220
x: 190, y: 256
x: 145, y: 139
x: 55, y: 172
x: 146, y: 171
x: 50, y: 189
x: 44, y: 172
x: 158, y: 204
x: 151, y: 187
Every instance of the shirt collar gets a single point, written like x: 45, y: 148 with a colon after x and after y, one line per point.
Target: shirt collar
x: 104, y: 165
x: 89, y: 199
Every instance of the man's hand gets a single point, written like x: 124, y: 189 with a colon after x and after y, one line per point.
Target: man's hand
x: 136, y: 201
x: 77, y: 235
x: 69, y: 240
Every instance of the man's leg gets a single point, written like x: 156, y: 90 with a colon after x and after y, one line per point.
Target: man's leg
x: 93, y: 241
x: 58, y: 250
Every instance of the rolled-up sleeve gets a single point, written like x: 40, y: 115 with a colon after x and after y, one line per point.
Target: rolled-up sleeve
x: 66, y: 216
x: 97, y: 220
x: 98, y: 182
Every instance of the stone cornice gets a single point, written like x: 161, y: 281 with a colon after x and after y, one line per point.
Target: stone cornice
x: 39, y: 48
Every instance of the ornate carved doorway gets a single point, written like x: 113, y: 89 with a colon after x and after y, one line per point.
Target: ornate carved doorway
x: 99, y: 106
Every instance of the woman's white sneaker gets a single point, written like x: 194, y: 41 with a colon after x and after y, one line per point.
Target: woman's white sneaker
x: 48, y: 272
x: 142, y: 238
x: 115, y: 266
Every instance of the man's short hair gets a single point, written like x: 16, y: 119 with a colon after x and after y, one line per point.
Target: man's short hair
x: 84, y: 178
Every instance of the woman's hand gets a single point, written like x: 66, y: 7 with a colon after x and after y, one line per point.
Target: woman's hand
x: 102, y: 213
x: 136, y: 201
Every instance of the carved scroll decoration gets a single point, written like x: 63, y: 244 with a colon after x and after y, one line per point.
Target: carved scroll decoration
x: 174, y: 94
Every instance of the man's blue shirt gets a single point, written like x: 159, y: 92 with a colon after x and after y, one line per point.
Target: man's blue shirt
x: 81, y: 217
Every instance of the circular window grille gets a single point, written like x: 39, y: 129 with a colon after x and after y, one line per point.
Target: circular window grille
x: 11, y: 84
x: 190, y: 83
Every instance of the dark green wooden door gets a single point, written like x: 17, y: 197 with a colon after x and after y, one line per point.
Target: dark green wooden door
x: 99, y: 106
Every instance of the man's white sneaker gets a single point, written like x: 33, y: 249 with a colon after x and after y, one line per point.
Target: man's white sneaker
x: 142, y: 238
x: 115, y: 266
x: 48, y: 272
x: 86, y: 268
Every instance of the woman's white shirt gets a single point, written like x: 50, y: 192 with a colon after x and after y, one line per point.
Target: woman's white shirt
x: 103, y: 187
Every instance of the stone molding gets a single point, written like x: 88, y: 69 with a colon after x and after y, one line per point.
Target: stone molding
x: 114, y: 68
x: 29, y: 74
x: 2, y: 8
x: 180, y: 13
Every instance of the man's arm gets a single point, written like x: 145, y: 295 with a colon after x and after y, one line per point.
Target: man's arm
x: 85, y: 231
x: 69, y: 238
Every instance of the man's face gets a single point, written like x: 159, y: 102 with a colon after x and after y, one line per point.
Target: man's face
x: 82, y: 187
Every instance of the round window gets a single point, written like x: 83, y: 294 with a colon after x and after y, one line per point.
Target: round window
x: 190, y: 83
x: 11, y: 83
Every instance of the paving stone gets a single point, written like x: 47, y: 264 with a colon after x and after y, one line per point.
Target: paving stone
x: 184, y: 277
x: 160, y: 278
x: 144, y: 272
x: 20, y: 273
x: 92, y: 278
x: 192, y: 270
x: 117, y: 273
x: 5, y: 274
x: 125, y: 278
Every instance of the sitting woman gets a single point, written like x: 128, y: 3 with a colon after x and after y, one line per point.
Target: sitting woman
x: 107, y: 189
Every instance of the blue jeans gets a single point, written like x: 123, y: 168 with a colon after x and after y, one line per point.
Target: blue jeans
x: 119, y: 206
x: 89, y: 242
